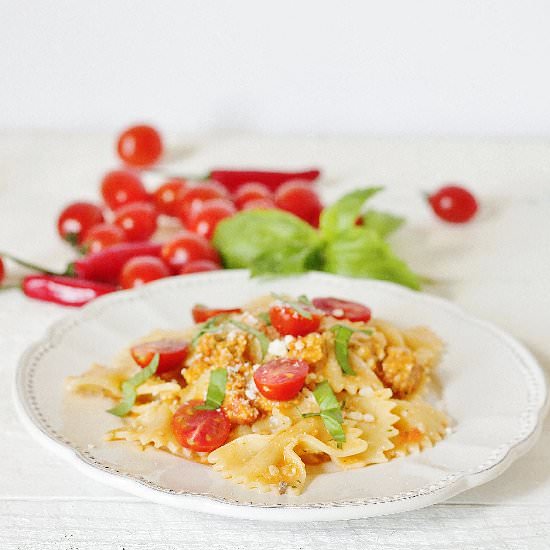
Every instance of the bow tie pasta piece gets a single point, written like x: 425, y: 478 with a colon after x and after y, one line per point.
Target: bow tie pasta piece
x: 373, y: 416
x: 420, y: 426
x: 271, y: 462
x: 100, y: 380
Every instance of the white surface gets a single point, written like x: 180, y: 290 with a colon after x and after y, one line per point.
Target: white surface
x: 496, y: 411
x: 496, y: 268
x: 394, y: 67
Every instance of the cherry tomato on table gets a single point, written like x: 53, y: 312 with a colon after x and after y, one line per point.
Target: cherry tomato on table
x: 454, y: 204
x: 198, y: 266
x: 205, y: 219
x: 167, y: 196
x: 120, y: 187
x: 281, y: 379
x: 251, y: 191
x: 343, y: 309
x: 191, y: 199
x: 186, y: 247
x: 2, y: 271
x: 138, y: 220
x: 172, y: 354
x: 76, y: 219
x: 142, y: 270
x: 201, y: 430
x: 288, y: 321
x: 202, y: 313
x: 140, y: 145
x: 102, y: 235
x: 300, y: 199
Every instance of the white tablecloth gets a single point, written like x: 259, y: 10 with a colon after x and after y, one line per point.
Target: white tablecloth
x: 497, y: 268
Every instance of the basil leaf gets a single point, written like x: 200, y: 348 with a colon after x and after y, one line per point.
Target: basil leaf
x: 296, y: 306
x: 342, y: 336
x: 343, y: 214
x: 263, y: 340
x: 209, y: 326
x: 288, y: 260
x: 129, y: 393
x: 382, y: 223
x: 330, y: 411
x: 360, y: 252
x: 264, y: 316
x: 216, y: 390
x: 275, y: 240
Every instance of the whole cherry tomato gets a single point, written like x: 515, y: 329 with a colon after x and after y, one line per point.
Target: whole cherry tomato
x: 172, y: 354
x: 262, y: 204
x: 167, y: 196
x: 2, y: 271
x: 102, y: 235
x: 192, y: 198
x: 75, y: 220
x: 186, y: 247
x: 300, y: 199
x: 281, y: 379
x: 343, y: 309
x: 288, y: 321
x: 251, y: 191
x: 120, y: 187
x: 204, y: 220
x: 201, y: 430
x: 454, y: 204
x: 142, y: 270
x: 202, y: 313
x: 138, y: 220
x: 198, y: 266
x: 140, y: 146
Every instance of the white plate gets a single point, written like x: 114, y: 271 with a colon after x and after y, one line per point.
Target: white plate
x: 493, y: 390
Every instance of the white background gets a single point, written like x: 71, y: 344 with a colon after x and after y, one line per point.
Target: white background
x: 458, y: 67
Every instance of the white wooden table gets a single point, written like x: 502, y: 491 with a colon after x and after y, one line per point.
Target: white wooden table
x: 497, y: 268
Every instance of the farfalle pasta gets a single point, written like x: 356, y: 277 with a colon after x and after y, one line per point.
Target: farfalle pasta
x: 265, y: 392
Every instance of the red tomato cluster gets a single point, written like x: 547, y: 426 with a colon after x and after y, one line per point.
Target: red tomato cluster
x: 131, y: 214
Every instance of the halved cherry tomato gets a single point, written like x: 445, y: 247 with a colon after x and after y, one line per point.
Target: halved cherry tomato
x: 343, y: 309
x: 251, y: 191
x: 120, y: 187
x: 76, y: 219
x: 167, y: 196
x: 190, y: 200
x: 198, y: 266
x: 140, y: 145
x: 300, y: 199
x: 288, y: 321
x: 201, y: 430
x: 172, y: 354
x: 102, y: 235
x: 262, y: 204
x: 187, y: 247
x: 138, y: 220
x: 281, y: 379
x: 141, y: 270
x: 205, y: 219
x: 202, y: 313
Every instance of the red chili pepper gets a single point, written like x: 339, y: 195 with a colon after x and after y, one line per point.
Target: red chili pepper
x: 66, y: 291
x: 105, y: 266
x: 233, y: 179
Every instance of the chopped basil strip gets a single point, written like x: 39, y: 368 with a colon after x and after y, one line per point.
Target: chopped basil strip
x: 129, y: 393
x: 296, y: 306
x: 342, y: 335
x: 216, y: 390
x: 260, y: 336
x: 331, y: 413
x: 264, y: 316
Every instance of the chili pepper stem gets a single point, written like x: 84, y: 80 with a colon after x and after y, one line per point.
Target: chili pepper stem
x: 29, y: 265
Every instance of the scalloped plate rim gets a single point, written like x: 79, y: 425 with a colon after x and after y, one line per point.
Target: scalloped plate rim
x: 323, y: 511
